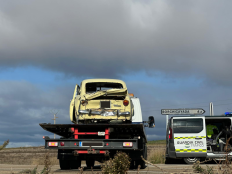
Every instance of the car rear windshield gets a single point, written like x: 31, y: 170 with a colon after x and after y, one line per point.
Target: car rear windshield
x: 98, y: 86
x: 187, y: 125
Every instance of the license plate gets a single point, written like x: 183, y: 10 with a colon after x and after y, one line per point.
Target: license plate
x: 101, y: 133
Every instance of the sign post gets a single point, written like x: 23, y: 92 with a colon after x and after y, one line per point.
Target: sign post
x: 166, y: 122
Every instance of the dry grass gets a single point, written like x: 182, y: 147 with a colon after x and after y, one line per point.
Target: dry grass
x: 157, y: 156
x: 40, y: 161
x: 156, y: 142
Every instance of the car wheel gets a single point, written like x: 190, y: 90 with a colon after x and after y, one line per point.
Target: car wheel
x: 191, y: 160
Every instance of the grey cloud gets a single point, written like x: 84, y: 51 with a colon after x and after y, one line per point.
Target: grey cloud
x: 111, y: 38
x: 23, y: 106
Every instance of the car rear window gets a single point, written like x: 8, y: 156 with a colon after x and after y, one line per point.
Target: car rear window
x: 187, y: 125
x: 93, y: 87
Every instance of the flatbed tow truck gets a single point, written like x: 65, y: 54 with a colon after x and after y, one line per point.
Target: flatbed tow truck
x: 99, y: 142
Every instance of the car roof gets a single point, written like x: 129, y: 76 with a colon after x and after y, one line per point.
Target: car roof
x: 104, y: 80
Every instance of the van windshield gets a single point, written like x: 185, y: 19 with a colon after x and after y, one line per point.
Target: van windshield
x: 187, y: 125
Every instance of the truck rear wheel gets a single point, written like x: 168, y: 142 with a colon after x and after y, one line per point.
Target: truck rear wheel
x: 141, y: 162
x: 75, y: 164
x: 132, y: 164
x: 191, y: 160
x: 90, y: 163
x: 64, y: 164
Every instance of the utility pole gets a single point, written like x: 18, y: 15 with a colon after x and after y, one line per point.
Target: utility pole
x: 55, y: 121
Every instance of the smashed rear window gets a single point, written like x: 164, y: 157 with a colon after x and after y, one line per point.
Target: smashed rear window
x: 99, y: 86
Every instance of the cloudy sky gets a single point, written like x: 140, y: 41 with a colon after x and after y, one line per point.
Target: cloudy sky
x: 171, y: 54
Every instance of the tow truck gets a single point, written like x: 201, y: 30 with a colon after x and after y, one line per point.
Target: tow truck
x: 98, y: 139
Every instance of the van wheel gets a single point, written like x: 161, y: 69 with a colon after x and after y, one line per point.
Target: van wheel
x: 191, y: 160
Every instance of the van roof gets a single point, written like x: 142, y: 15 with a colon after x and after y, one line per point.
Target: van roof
x: 207, y: 116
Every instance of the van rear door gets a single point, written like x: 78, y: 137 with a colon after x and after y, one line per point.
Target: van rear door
x: 189, y: 136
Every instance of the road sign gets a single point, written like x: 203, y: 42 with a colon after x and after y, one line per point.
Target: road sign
x: 190, y: 111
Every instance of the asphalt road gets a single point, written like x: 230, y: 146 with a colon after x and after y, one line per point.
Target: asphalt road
x: 159, y: 168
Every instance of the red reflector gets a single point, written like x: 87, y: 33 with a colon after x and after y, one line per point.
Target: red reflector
x: 127, y: 144
x: 62, y: 143
x: 52, y: 143
x: 170, y: 133
x: 107, y: 144
x: 125, y: 102
x: 75, y: 144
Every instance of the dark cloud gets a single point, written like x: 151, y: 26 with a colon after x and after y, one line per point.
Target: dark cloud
x: 23, y: 106
x: 109, y: 39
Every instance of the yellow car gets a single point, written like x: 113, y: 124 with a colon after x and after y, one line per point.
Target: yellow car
x: 101, y: 101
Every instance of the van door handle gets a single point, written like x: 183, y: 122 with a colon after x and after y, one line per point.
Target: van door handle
x: 198, y: 138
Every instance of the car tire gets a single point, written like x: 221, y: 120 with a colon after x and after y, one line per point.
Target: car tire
x: 191, y: 160
x: 90, y: 163
x: 64, y: 164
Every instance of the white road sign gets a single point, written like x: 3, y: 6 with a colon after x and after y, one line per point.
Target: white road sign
x: 196, y: 111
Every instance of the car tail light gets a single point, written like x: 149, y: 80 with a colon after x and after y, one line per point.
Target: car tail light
x: 125, y: 102
x: 130, y: 94
x: 170, y: 133
x: 127, y: 144
x: 62, y: 143
x: 52, y: 143
x: 84, y: 102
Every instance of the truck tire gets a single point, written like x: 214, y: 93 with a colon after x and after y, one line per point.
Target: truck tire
x: 64, y: 164
x: 75, y: 164
x: 90, y: 163
x: 191, y: 160
x: 141, y: 162
x: 132, y: 164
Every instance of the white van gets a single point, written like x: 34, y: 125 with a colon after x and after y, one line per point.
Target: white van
x: 187, y: 138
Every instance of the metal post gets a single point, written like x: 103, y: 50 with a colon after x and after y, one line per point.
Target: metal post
x: 211, y: 108
x: 55, y: 122
x: 166, y: 122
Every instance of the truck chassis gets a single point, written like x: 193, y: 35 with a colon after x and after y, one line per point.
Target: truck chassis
x: 96, y: 142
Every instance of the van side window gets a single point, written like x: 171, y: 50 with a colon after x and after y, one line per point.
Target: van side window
x: 187, y: 125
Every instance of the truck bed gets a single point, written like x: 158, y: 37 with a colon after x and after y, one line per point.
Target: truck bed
x: 64, y: 130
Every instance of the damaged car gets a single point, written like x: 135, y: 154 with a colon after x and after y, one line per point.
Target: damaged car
x: 101, y: 101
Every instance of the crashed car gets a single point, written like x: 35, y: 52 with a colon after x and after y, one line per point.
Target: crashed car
x: 101, y: 101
